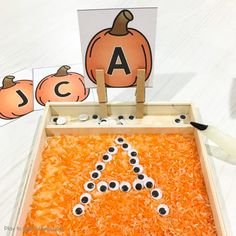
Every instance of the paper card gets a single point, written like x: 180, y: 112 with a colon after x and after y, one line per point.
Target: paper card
x: 60, y: 83
x: 119, y: 41
x: 16, y: 96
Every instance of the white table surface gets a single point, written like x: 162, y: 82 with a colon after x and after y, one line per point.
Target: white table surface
x: 196, y: 50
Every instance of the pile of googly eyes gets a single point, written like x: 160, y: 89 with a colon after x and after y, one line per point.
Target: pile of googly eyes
x: 142, y: 180
x: 119, y: 120
x: 180, y: 119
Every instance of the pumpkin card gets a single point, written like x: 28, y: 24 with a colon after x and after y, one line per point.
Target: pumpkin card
x: 16, y: 96
x: 118, y: 41
x: 60, y: 84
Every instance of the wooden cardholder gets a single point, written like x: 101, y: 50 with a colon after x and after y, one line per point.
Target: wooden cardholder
x: 102, y: 93
x: 140, y: 93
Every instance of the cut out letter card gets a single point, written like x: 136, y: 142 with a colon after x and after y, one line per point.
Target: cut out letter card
x: 16, y: 96
x: 118, y: 41
x: 63, y: 83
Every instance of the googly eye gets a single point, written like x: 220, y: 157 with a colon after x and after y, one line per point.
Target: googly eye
x: 183, y: 117
x: 112, y: 150
x: 100, y: 166
x: 102, y: 186
x: 95, y: 174
x: 85, y: 198
x: 54, y: 120
x: 120, y: 117
x: 119, y: 140
x: 83, y: 117
x: 138, y: 184
x: 149, y: 183
x: 95, y: 117
x: 132, y: 153
x: 61, y: 120
x: 125, y: 186
x: 163, y: 209
x: 142, y: 176
x: 177, y: 121
x: 107, y: 157
x: 103, y: 122
x: 138, y: 169
x: 89, y: 186
x: 126, y: 146
x: 113, y: 185
x: 131, y: 117
x: 78, y: 210
x: 133, y: 161
x: 156, y: 193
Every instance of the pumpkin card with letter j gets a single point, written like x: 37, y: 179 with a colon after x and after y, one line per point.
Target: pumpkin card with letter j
x: 119, y: 42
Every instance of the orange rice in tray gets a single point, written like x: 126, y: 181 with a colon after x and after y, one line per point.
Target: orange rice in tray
x: 170, y: 159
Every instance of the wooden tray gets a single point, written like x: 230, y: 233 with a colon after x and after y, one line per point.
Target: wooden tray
x: 158, y: 118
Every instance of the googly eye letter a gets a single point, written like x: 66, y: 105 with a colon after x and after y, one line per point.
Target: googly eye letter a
x: 120, y: 51
x: 16, y: 98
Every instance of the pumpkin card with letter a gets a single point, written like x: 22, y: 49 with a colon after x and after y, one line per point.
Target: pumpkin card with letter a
x: 60, y: 84
x: 16, y: 96
x: 119, y: 42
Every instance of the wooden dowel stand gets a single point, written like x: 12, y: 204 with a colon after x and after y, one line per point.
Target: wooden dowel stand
x: 102, y: 93
x: 140, y: 93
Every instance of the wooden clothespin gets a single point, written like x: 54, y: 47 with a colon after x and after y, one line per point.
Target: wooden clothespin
x: 102, y: 93
x: 140, y: 93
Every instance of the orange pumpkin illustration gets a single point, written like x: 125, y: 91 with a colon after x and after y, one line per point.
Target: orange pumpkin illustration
x: 120, y: 52
x: 63, y: 86
x: 16, y: 98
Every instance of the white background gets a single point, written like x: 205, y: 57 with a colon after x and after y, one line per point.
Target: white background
x: 196, y: 62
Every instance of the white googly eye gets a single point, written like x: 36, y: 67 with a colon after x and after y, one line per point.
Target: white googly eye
x: 177, y: 121
x: 102, y: 186
x: 113, y: 185
x: 107, y: 157
x: 133, y: 161
x: 95, y: 117
x: 103, y: 122
x: 138, y: 184
x: 95, y: 174
x: 61, y: 120
x: 112, y: 150
x: 78, y: 210
x: 100, y: 166
x: 83, y: 117
x: 149, y: 183
x: 125, y: 186
x: 132, y: 153
x: 156, y: 193
x: 138, y: 169
x: 183, y: 116
x: 131, y: 117
x: 119, y: 140
x: 163, y: 209
x: 89, y: 186
x: 54, y: 120
x: 142, y: 176
x: 126, y: 147
x: 85, y: 198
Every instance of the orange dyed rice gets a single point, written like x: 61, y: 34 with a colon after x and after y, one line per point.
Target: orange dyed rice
x: 170, y: 159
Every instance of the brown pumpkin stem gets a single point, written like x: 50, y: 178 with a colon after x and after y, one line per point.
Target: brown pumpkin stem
x: 8, y: 82
x: 62, y: 71
x: 120, y: 24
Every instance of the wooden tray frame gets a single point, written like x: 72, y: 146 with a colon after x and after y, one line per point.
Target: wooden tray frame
x: 166, y: 111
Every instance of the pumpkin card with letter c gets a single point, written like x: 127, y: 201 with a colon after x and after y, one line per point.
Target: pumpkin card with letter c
x: 63, y: 83
x: 118, y: 41
x: 16, y: 96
